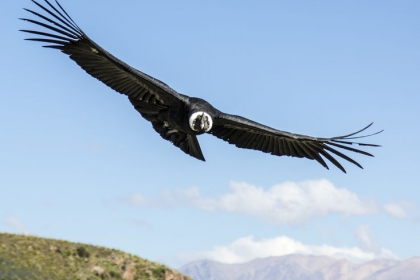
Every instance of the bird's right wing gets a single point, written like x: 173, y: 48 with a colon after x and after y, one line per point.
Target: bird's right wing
x: 148, y: 95
x: 65, y: 35
x: 247, y: 134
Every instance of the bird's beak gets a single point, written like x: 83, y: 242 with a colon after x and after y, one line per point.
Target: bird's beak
x: 202, y: 122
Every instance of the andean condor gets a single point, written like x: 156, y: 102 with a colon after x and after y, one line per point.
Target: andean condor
x: 176, y: 117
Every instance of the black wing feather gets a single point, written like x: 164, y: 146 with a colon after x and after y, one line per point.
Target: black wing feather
x: 149, y: 95
x: 247, y: 134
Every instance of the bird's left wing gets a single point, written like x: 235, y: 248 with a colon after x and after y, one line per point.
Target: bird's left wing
x: 244, y: 133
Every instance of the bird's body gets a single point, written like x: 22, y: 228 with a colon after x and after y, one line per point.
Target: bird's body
x: 177, y: 117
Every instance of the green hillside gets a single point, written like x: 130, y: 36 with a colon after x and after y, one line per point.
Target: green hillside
x: 26, y: 257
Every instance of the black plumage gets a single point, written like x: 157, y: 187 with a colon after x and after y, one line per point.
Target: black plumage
x: 177, y: 117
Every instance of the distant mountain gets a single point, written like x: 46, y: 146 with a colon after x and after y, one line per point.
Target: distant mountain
x: 303, y: 267
x: 31, y: 258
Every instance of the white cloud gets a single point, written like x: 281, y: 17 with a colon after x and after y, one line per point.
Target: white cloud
x: 17, y: 225
x: 138, y: 200
x: 367, y: 242
x: 287, y: 202
x: 248, y: 248
x: 399, y: 209
x: 141, y: 222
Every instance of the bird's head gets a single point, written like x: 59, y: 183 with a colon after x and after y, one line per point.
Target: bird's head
x: 200, y: 122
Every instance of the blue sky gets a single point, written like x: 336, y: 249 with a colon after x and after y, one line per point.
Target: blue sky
x: 79, y: 163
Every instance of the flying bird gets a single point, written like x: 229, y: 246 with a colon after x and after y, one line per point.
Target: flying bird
x: 176, y: 117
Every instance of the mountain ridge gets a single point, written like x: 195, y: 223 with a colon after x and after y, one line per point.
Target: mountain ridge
x: 304, y: 267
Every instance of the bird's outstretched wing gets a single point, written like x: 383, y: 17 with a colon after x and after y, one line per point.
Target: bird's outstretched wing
x: 148, y: 93
x: 247, y: 134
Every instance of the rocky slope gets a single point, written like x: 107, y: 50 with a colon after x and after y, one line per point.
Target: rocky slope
x: 32, y: 258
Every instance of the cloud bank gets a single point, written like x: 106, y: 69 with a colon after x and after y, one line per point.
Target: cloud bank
x: 248, y: 248
x: 399, y: 209
x: 285, y: 203
x: 289, y: 202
